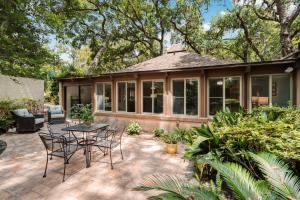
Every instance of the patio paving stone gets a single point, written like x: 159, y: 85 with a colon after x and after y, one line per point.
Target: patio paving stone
x: 22, y: 166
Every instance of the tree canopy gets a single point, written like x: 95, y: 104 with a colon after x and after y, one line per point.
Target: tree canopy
x: 106, y: 35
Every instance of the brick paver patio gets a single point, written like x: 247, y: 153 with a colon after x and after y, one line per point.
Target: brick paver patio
x: 23, y: 162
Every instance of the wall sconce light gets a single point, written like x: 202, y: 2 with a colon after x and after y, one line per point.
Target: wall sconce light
x: 289, y: 70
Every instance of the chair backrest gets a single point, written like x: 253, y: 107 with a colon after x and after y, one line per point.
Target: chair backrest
x: 117, y: 135
x: 22, y: 113
x: 56, y: 109
x: 51, y: 142
x: 56, y: 126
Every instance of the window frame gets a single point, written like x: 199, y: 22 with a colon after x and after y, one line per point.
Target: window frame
x: 198, y: 96
x: 135, y: 97
x: 103, y: 89
x: 223, y: 91
x: 142, y: 96
x: 270, y: 76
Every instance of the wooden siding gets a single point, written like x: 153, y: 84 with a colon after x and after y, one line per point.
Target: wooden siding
x: 201, y: 74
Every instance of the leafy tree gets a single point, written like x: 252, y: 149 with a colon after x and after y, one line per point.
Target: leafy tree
x: 22, y: 38
x: 284, y: 13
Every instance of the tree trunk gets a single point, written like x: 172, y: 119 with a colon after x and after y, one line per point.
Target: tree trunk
x: 97, y: 58
x: 285, y: 39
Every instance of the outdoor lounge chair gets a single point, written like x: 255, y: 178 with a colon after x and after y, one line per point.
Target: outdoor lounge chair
x: 26, y: 121
x: 56, y: 113
x: 58, y: 146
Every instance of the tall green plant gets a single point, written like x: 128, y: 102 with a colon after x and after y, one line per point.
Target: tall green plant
x: 279, y: 182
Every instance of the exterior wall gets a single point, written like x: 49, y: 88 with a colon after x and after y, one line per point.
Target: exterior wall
x: 167, y: 120
x: 18, y: 88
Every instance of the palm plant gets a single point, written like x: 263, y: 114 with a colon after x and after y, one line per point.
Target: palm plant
x: 176, y: 188
x: 279, y: 182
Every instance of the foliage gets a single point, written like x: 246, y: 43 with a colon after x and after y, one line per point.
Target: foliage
x: 279, y: 182
x: 271, y: 129
x: 174, y: 188
x: 133, y: 128
x: 22, y: 38
x: 172, y: 137
x: 82, y: 112
x: 158, y: 132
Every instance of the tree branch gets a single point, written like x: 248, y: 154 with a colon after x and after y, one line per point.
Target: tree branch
x: 247, y: 36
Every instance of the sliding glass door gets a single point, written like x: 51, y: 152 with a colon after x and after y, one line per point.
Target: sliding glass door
x: 77, y: 95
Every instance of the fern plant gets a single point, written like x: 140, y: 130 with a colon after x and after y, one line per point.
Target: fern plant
x: 279, y: 182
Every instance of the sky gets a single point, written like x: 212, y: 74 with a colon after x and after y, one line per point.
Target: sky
x: 215, y: 7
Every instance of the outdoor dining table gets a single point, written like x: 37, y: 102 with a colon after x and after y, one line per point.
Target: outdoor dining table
x: 86, y: 141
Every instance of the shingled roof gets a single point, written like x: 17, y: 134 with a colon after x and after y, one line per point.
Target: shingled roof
x: 175, y: 58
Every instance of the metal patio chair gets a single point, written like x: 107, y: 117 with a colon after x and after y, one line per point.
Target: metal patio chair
x: 58, y: 146
x: 111, y: 140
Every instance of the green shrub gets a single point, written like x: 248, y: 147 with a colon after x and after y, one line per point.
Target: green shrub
x: 158, y: 132
x: 271, y: 129
x: 134, y: 128
x: 171, y: 138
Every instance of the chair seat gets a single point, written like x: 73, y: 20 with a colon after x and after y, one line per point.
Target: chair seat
x: 39, y: 120
x: 55, y: 116
x: 71, y: 149
x: 106, y: 144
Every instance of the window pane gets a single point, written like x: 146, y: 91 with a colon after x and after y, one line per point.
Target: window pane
x: 178, y: 96
x: 147, y: 98
x: 100, y: 98
x: 121, y: 96
x: 281, y: 90
x: 215, y: 96
x: 130, y: 97
x: 158, y: 97
x: 260, y: 91
x: 191, y: 97
x: 107, y: 99
x: 232, y: 93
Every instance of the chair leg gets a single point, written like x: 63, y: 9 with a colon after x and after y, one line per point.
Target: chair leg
x: 46, y: 167
x: 64, y: 170
x: 121, y: 151
x: 111, y: 165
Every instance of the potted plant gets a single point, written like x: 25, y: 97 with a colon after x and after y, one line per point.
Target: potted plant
x: 87, y: 114
x: 171, y: 140
x: 82, y: 113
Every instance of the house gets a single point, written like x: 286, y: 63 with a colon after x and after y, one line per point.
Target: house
x: 183, y: 89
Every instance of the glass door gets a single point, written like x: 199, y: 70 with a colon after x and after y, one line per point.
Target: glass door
x: 77, y: 95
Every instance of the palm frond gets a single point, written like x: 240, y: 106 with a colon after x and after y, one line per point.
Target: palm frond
x: 281, y: 178
x: 174, y: 188
x: 238, y: 179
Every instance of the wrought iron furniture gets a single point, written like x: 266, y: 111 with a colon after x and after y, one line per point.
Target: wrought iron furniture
x: 58, y: 146
x: 87, y: 139
x: 56, y: 113
x: 26, y: 121
x: 112, y: 139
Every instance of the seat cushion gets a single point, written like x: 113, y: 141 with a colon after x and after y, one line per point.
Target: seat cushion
x: 55, y: 109
x: 53, y: 116
x: 39, y: 120
x: 23, y: 113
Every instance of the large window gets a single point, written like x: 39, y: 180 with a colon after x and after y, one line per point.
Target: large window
x: 126, y: 96
x: 104, y: 96
x: 185, y: 96
x: 270, y: 90
x: 223, y: 92
x: 153, y: 96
